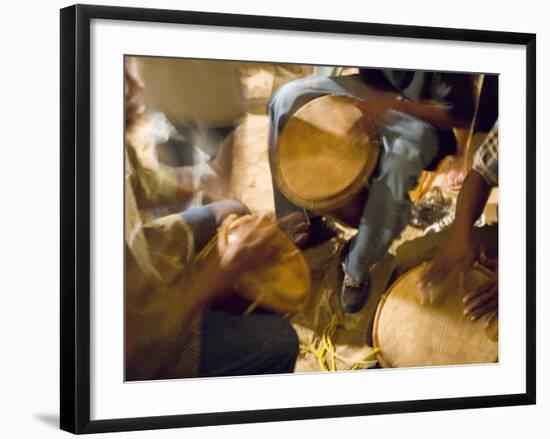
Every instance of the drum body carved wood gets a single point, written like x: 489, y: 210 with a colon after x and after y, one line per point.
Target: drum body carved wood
x: 284, y: 284
x: 410, y: 334
x: 326, y: 155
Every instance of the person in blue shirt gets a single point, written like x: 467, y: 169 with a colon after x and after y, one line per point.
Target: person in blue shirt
x: 416, y: 112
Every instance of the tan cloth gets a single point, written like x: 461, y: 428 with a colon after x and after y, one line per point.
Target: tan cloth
x: 212, y: 93
x: 157, y: 252
x: 192, y: 92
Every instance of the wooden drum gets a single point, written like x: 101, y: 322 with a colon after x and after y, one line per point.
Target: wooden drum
x: 326, y: 154
x: 284, y: 284
x: 409, y: 334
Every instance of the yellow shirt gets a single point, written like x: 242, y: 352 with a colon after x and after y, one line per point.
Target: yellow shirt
x: 157, y: 253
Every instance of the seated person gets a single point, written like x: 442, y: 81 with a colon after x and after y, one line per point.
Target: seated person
x: 416, y: 112
x: 458, y: 251
x: 170, y: 332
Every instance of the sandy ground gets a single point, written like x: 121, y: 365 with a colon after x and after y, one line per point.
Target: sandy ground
x: 251, y: 182
x: 329, y: 340
x: 350, y: 335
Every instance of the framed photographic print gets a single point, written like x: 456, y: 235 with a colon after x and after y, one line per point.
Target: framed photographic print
x: 268, y: 218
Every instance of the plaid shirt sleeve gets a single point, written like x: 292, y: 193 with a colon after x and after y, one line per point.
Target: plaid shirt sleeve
x: 486, y: 158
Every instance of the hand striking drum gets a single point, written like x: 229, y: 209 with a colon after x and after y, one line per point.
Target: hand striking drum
x: 409, y: 334
x: 329, y: 155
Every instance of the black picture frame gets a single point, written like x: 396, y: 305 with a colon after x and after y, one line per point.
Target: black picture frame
x: 75, y: 217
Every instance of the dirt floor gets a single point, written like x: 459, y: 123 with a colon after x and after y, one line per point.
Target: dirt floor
x: 329, y: 340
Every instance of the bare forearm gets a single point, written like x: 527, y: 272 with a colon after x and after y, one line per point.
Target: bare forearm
x: 470, y: 203
x: 429, y: 111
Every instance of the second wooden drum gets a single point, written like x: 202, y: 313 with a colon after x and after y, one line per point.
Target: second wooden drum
x: 410, y: 334
x: 283, y: 284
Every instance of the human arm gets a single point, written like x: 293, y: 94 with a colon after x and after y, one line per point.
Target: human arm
x: 430, y: 111
x: 161, y: 318
x: 444, y: 100
x: 458, y: 250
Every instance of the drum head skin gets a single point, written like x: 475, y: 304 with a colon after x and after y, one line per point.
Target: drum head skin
x: 409, y: 334
x: 284, y: 284
x: 326, y: 153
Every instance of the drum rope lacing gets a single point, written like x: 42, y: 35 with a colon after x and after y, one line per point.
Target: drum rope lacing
x: 325, y: 346
x: 206, y: 249
x: 202, y: 254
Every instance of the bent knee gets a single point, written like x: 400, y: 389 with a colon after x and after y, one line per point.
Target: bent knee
x: 222, y: 209
x: 287, y: 347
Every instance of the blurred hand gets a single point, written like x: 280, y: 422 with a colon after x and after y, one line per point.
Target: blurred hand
x: 483, y: 301
x: 377, y: 109
x: 456, y: 253
x: 296, y: 226
x: 255, y: 246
